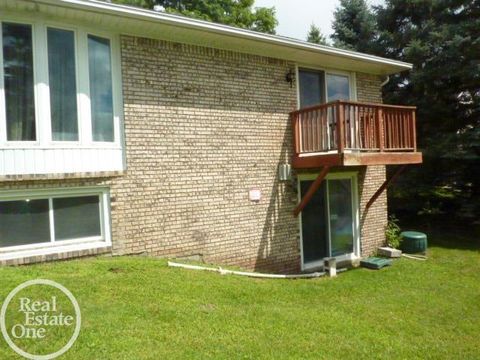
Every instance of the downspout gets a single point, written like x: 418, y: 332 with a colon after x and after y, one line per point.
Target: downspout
x: 387, y: 80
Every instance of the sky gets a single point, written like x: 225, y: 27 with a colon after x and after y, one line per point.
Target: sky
x: 296, y: 16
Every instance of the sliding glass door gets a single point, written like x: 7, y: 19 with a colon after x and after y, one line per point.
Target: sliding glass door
x: 317, y: 87
x: 329, y: 221
x: 341, y: 221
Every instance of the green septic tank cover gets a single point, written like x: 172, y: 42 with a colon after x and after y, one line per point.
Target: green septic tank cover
x: 413, y: 242
x: 375, y: 263
x: 413, y: 235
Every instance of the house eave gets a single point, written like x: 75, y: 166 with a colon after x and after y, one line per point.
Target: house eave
x: 141, y: 22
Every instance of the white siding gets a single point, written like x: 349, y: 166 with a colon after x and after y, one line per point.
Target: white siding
x: 59, y: 161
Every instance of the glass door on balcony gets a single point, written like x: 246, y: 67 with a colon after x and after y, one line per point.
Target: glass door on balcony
x: 317, y: 87
x: 338, y: 87
x: 329, y: 221
x: 311, y: 87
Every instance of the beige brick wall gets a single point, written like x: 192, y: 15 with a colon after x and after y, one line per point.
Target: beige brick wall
x: 202, y: 128
x: 368, y: 88
x: 373, y: 222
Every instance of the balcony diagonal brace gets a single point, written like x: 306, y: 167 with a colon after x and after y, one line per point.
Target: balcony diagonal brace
x: 311, y: 191
x: 384, y: 186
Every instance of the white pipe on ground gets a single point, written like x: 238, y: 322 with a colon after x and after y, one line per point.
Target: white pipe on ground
x: 244, y: 273
x: 415, y: 257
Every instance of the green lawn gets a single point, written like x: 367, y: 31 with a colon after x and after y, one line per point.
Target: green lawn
x: 138, y: 308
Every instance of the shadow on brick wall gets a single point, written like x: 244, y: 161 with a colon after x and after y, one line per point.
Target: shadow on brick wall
x: 279, y: 249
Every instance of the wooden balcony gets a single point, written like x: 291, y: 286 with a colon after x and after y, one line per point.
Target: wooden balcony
x: 346, y: 133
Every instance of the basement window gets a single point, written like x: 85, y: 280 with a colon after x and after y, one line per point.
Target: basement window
x: 45, y: 219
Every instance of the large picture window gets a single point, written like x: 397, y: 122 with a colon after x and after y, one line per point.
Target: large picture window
x: 59, y: 86
x: 42, y: 220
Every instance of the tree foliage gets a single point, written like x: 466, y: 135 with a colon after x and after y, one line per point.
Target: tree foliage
x: 354, y: 26
x: 441, y: 38
x: 315, y: 36
x: 240, y: 13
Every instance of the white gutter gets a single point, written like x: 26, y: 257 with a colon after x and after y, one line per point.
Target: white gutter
x: 181, y: 21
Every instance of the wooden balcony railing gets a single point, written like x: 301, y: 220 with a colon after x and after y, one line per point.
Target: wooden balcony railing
x: 346, y: 126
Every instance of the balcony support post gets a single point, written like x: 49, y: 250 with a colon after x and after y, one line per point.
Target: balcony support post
x: 311, y: 191
x: 384, y: 186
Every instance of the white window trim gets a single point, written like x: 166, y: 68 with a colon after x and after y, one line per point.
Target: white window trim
x: 57, y: 246
x: 355, y: 212
x: 352, y: 80
x: 42, y: 93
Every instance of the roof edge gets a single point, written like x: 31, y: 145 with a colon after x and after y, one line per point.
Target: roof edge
x: 171, y: 19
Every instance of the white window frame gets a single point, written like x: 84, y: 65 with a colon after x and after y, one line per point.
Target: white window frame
x: 352, y: 80
x: 353, y: 176
x: 42, y: 92
x: 104, y: 240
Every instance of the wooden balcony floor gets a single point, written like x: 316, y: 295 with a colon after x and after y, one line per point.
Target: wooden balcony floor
x: 316, y: 160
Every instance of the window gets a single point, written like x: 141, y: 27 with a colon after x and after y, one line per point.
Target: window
x: 100, y: 66
x: 317, y: 87
x: 48, y: 220
x: 62, y: 82
x: 24, y: 222
x: 18, y: 81
x: 76, y: 217
x: 312, y: 90
x: 338, y: 87
x: 58, y: 86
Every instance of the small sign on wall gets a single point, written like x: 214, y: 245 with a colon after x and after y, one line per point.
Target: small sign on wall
x: 255, y: 195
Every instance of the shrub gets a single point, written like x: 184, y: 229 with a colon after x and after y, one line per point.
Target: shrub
x: 392, y: 232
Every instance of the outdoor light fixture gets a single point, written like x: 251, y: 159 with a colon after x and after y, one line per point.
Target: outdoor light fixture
x: 289, y: 77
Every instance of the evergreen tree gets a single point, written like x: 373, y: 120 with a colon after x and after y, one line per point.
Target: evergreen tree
x: 240, y: 13
x: 315, y: 36
x: 442, y: 40
x: 354, y: 26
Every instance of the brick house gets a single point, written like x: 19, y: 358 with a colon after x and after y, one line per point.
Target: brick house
x: 128, y: 131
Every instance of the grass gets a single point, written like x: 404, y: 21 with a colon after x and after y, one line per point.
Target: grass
x: 138, y: 308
